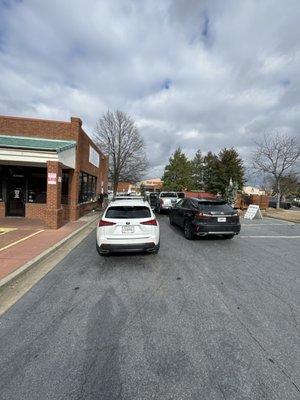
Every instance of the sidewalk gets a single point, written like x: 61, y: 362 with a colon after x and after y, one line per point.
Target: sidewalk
x: 285, y: 215
x: 22, y: 241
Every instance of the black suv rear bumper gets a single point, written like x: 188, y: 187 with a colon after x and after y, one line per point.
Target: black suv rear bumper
x: 216, y: 229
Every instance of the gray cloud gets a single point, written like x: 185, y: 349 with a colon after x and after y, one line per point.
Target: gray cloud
x: 195, y: 74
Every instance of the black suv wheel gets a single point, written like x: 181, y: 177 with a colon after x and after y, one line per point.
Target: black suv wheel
x: 188, y: 231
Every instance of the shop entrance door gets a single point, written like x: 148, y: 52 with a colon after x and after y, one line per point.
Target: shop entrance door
x: 16, y: 197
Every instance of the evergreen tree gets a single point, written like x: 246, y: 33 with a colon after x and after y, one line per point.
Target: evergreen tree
x: 177, y: 174
x: 231, y: 192
x: 231, y: 167
x: 218, y: 170
x: 211, y: 171
x: 197, y: 167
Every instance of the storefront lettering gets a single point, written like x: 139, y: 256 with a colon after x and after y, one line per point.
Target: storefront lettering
x: 17, y: 193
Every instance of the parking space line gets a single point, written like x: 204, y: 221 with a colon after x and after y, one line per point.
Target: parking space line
x: 269, y: 236
x: 3, y: 231
x: 284, y: 224
x: 21, y: 240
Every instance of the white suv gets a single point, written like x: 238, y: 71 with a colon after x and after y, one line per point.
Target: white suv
x: 128, y: 225
x: 165, y: 201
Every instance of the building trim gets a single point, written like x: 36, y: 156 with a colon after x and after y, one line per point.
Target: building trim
x: 27, y: 142
x: 10, y: 156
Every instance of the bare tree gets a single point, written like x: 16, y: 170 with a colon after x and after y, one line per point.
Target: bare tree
x: 276, y: 157
x: 119, y: 137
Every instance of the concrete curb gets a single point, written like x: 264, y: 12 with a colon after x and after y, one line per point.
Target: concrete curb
x: 281, y: 219
x: 36, y: 260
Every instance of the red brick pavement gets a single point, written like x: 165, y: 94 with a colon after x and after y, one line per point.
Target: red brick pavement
x: 18, y: 254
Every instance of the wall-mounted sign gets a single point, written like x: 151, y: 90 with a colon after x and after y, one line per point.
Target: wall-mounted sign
x: 253, y: 212
x: 52, y: 178
x: 94, y: 157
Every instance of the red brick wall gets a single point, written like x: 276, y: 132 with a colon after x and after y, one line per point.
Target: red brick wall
x: 54, y: 211
x: 66, y: 212
x: 123, y: 186
x: 86, y: 207
x: 200, y: 195
x: 83, y: 161
x: 17, y: 126
x: 2, y: 209
x: 35, y: 211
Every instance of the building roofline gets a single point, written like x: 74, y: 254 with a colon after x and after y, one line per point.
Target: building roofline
x: 33, y: 119
x: 65, y: 144
x: 40, y: 119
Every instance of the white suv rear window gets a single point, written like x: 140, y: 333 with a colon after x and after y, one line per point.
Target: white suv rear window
x: 127, y: 212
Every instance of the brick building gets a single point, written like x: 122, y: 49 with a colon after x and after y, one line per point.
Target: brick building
x: 152, y: 185
x: 49, y: 170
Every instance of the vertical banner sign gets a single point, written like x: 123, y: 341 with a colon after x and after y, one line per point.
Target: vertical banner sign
x: 94, y: 157
x: 52, y: 178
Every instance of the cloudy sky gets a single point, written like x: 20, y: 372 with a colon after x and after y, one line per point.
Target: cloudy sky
x: 192, y: 73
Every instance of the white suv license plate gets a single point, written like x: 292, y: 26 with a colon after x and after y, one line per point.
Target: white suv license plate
x: 221, y: 219
x: 127, y: 229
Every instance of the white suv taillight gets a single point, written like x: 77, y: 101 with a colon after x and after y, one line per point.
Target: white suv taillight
x: 151, y: 222
x: 105, y: 223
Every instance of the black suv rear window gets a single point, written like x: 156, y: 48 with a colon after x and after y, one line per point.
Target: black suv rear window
x: 127, y: 212
x: 215, y: 207
x: 168, y: 194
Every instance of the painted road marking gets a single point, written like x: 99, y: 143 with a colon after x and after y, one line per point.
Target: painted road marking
x: 289, y: 224
x: 21, y: 240
x: 6, y: 230
x: 270, y: 237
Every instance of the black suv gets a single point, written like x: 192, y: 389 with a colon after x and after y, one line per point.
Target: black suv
x: 283, y: 204
x: 201, y: 217
x: 153, y: 199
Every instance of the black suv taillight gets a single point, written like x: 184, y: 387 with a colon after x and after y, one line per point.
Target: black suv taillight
x: 202, y: 216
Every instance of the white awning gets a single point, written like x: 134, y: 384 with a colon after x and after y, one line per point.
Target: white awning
x: 37, y: 157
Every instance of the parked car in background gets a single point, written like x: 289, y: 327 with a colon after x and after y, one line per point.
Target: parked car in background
x: 128, y: 225
x: 296, y: 202
x: 181, y: 195
x: 165, y: 201
x: 201, y: 217
x: 153, y: 199
x: 283, y: 204
x: 128, y: 197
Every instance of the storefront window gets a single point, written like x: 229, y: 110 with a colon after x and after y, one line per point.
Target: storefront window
x: 65, y: 188
x: 1, y: 183
x: 87, y: 187
x: 37, y: 185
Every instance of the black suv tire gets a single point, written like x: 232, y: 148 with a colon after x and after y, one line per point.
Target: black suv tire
x: 188, y: 232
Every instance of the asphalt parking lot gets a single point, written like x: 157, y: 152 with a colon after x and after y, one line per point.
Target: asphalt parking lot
x: 207, y: 319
